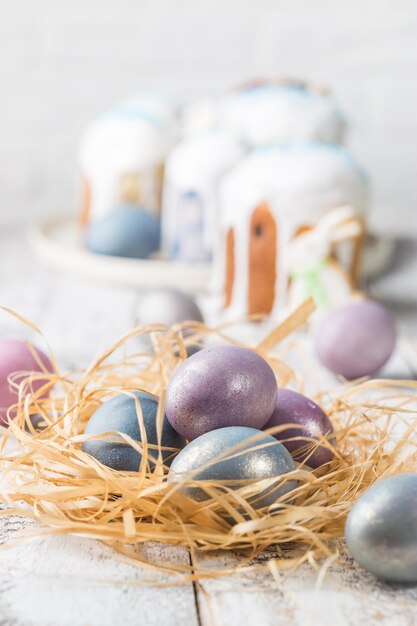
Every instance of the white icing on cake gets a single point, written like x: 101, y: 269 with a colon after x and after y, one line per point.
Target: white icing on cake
x: 131, y: 140
x: 190, y: 199
x: 272, y: 113
x: 198, y: 117
x: 155, y: 107
x: 300, y: 183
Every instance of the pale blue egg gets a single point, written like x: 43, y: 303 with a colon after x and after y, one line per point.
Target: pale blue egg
x: 127, y: 231
x: 227, y: 454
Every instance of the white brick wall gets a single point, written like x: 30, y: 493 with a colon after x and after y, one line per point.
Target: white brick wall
x: 61, y: 61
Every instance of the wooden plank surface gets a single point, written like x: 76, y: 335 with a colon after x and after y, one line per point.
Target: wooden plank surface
x: 347, y: 596
x: 71, y: 581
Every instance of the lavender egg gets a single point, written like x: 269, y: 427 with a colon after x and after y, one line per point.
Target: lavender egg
x: 18, y: 356
x: 381, y: 529
x: 127, y: 231
x: 294, y: 408
x: 356, y: 339
x: 238, y: 462
x: 220, y: 386
x: 119, y: 415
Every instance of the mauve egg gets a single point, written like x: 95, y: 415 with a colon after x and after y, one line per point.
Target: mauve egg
x: 127, y: 231
x: 17, y: 356
x: 356, y: 339
x: 294, y: 408
x: 381, y: 529
x: 119, y: 415
x: 220, y: 386
x: 238, y: 461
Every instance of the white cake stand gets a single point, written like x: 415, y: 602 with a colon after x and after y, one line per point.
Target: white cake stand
x: 58, y: 243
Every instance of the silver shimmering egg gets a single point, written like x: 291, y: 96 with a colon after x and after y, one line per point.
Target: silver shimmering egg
x: 165, y: 305
x: 234, y: 454
x: 381, y: 529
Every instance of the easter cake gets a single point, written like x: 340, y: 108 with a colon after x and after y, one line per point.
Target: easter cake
x: 266, y: 112
x: 190, y: 199
x: 122, y: 155
x: 255, y: 183
x: 289, y: 215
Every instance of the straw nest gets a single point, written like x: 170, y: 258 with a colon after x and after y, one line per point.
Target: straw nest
x: 48, y: 477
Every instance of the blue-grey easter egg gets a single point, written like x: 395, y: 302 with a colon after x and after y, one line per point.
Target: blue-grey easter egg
x: 356, y: 339
x: 127, y: 231
x: 119, y: 415
x: 220, y: 386
x: 227, y: 454
x: 381, y: 529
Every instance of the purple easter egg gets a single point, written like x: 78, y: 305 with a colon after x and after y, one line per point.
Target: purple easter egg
x: 16, y: 356
x: 356, y: 339
x: 294, y: 408
x: 220, y: 386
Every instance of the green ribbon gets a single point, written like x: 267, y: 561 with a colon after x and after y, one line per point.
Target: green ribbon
x: 311, y: 280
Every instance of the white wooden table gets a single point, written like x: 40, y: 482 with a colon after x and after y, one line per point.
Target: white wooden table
x: 70, y: 581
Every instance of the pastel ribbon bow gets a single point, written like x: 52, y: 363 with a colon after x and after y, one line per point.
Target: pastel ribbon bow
x: 311, y: 281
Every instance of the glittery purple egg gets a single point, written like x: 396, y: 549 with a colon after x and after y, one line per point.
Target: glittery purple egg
x: 220, y: 386
x: 312, y: 422
x: 18, y: 356
x: 356, y: 340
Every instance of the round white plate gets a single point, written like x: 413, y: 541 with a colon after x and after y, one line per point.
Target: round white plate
x: 57, y: 242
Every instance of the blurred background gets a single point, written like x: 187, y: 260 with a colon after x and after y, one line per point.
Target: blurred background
x: 61, y: 63
x: 64, y: 63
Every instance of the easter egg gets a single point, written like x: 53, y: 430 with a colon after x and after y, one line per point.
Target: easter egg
x: 119, y: 415
x: 19, y: 356
x: 381, y: 529
x: 356, y: 339
x: 220, y: 386
x: 127, y: 231
x: 168, y: 306
x: 227, y: 454
x: 312, y: 422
